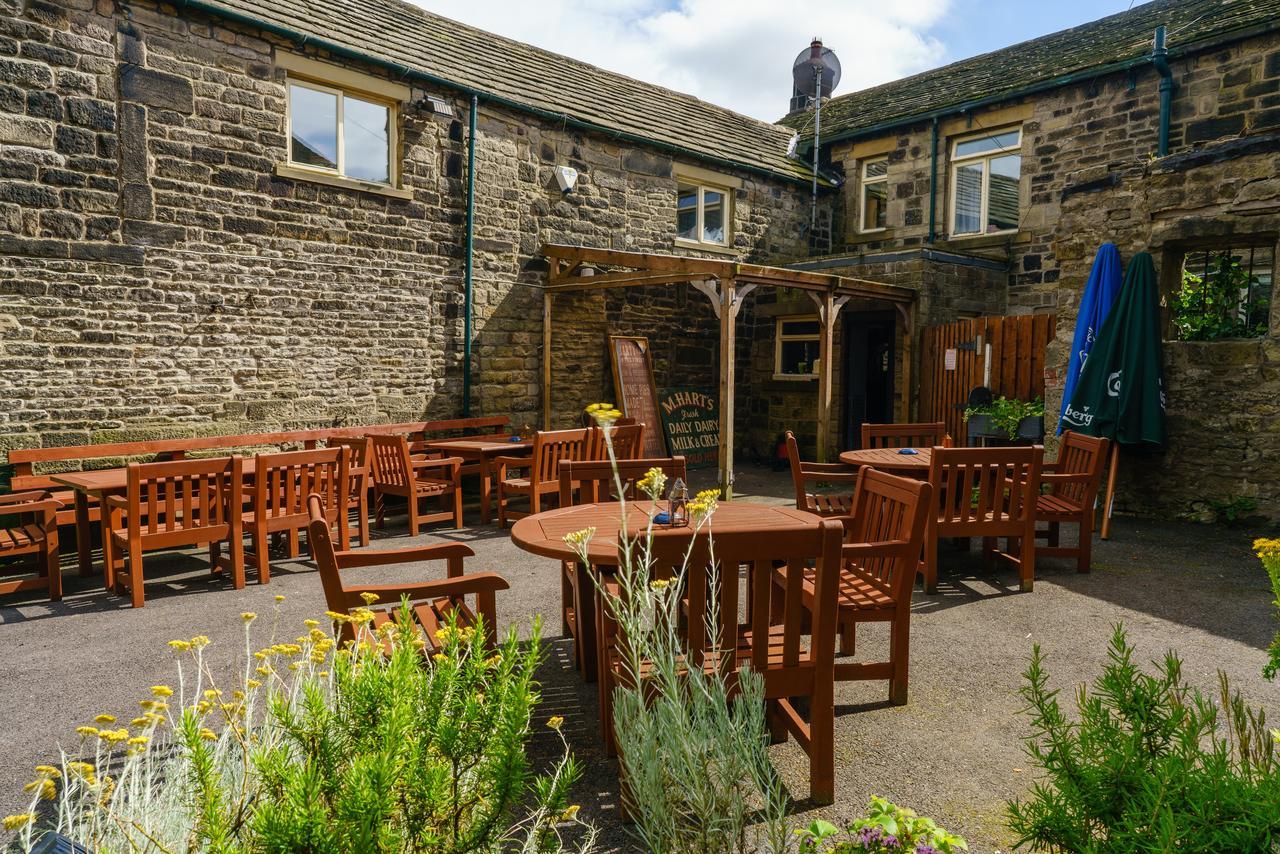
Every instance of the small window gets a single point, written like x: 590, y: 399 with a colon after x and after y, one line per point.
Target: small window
x: 985, y: 173
x: 796, y: 352
x: 702, y: 214
x: 341, y: 133
x: 1224, y: 292
x: 875, y: 193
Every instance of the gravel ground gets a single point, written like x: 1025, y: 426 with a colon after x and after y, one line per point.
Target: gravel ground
x: 954, y: 752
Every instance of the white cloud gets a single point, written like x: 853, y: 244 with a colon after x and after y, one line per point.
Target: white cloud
x: 736, y: 53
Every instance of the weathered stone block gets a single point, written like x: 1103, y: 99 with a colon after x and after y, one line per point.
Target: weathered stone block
x: 25, y: 73
x: 156, y: 89
x: 136, y: 201
x: 19, y: 130
x: 92, y: 113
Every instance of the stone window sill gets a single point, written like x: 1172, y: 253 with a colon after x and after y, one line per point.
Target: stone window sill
x: 706, y: 247
x: 296, y: 174
x: 980, y: 240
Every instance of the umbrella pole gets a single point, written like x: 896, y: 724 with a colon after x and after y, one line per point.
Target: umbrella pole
x: 1109, y: 502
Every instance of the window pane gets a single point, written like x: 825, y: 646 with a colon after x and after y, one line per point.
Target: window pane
x: 366, y: 138
x: 876, y: 169
x: 798, y: 357
x: 874, y: 197
x: 800, y: 327
x: 713, y: 216
x: 1002, y: 205
x: 313, y: 117
x: 969, y: 198
x: 687, y: 212
x: 994, y: 142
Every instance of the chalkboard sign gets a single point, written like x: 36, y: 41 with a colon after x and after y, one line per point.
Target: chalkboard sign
x: 691, y: 420
x: 633, y: 383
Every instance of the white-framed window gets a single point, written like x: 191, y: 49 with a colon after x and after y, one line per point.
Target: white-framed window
x: 796, y: 348
x: 875, y: 194
x: 340, y: 133
x: 985, y: 173
x: 703, y: 213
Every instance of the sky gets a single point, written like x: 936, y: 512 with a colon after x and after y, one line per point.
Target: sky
x: 738, y: 53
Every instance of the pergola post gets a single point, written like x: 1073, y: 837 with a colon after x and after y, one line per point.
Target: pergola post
x: 907, y: 313
x: 546, y: 360
x: 828, y: 309
x: 728, y: 312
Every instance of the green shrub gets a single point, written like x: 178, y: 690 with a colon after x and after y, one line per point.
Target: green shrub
x: 322, y: 747
x: 1007, y: 414
x: 1224, y: 300
x: 886, y: 829
x: 1268, y: 552
x: 1151, y: 765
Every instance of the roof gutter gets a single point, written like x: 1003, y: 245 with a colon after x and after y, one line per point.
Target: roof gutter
x: 408, y: 73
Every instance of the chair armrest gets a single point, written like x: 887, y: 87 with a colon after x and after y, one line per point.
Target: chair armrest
x: 438, y: 463
x: 884, y: 548
x: 384, y: 557
x: 1080, y: 477
x: 514, y: 462
x: 20, y: 497
x: 837, y: 476
x: 120, y: 501
x: 42, y: 506
x: 827, y: 468
x: 459, y: 585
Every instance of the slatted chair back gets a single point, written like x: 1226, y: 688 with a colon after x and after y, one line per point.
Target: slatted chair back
x: 890, y: 512
x: 592, y: 481
x: 183, y: 502
x: 905, y: 435
x: 985, y: 491
x: 1079, y: 454
x: 283, y: 482
x: 357, y: 461
x: 803, y: 473
x: 389, y: 460
x: 628, y: 442
x: 550, y: 447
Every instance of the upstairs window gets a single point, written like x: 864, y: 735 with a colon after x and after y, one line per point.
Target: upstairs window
x: 796, y: 349
x: 875, y: 194
x: 703, y: 213
x: 985, y: 172
x: 1224, y: 292
x: 335, y: 132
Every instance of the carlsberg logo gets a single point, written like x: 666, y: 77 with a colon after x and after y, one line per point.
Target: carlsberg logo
x: 1078, y: 418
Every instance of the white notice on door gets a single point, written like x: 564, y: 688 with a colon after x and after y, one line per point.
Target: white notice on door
x: 949, y: 360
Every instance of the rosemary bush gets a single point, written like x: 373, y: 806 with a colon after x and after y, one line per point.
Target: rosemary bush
x: 697, y: 777
x: 1151, y: 765
x: 321, y: 747
x: 1268, y: 552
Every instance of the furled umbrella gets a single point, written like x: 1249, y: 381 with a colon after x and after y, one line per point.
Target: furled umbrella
x: 1099, y: 296
x: 1120, y: 393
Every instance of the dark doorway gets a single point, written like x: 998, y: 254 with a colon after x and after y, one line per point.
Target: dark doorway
x: 869, y: 338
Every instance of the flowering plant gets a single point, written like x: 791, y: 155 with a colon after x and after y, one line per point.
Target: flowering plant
x: 1268, y: 552
x: 886, y: 829
x: 321, y: 745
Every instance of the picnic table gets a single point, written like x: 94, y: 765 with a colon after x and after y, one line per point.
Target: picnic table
x: 888, y: 459
x: 481, y: 452
x: 543, y: 534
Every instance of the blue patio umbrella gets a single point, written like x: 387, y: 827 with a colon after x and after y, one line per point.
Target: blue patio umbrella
x: 1099, y: 296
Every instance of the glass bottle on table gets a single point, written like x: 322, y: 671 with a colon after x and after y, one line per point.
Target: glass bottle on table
x: 678, y: 504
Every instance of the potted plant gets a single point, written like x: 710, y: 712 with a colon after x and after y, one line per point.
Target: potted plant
x: 1007, y: 419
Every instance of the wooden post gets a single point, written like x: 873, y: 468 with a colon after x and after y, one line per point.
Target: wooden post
x: 728, y: 314
x: 546, y: 360
x: 907, y: 313
x: 828, y: 309
x: 1109, y: 502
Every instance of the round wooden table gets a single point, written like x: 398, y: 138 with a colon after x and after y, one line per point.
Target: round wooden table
x: 888, y: 459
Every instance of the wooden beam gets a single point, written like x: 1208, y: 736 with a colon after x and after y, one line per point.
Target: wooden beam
x: 546, y: 360
x: 727, y: 353
x: 616, y: 280
x: 907, y: 313
x: 826, y: 349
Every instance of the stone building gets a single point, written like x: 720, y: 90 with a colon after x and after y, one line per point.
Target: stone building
x: 235, y: 215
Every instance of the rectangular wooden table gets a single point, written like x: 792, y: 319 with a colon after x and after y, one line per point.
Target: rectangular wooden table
x: 481, y: 453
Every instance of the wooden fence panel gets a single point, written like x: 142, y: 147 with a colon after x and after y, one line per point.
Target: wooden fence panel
x: 1005, y: 354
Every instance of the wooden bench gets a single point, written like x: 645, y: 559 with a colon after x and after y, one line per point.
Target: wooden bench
x: 81, y: 511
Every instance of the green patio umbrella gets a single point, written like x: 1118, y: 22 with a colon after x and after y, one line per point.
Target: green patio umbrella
x: 1120, y: 394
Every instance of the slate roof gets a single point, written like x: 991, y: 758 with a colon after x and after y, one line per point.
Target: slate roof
x: 519, y: 74
x: 1039, y: 62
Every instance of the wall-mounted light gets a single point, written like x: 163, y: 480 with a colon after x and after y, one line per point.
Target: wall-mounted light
x: 566, y: 177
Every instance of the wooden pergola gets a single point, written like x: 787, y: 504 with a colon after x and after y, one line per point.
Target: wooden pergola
x: 574, y: 269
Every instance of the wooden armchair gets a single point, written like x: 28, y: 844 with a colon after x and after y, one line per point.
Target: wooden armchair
x: 836, y: 505
x: 1073, y: 482
x: 167, y: 505
x: 881, y: 559
x: 770, y: 641
x: 278, y: 498
x: 589, y: 482
x: 906, y: 435
x: 988, y: 493
x: 358, y: 481
x: 542, y: 469
x: 36, y: 533
x: 628, y: 442
x: 396, y: 473
x: 432, y: 602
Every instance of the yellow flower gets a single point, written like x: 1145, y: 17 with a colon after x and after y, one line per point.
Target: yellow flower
x: 653, y: 482
x: 337, y: 617
x: 105, y: 719
x: 139, y: 739
x: 369, y: 597
x: 113, y: 735
x: 153, y: 705
x: 253, y: 683
x: 140, y: 722
x: 569, y: 813
x: 578, y: 539
x: 265, y: 670
x: 208, y: 734
x: 248, y: 616
x: 87, y: 730
x: 279, y: 597
x: 604, y: 413
x: 46, y: 787
x: 324, y: 674
x: 311, y: 624
x: 14, y: 822
x: 441, y: 657
x: 659, y: 584
x: 180, y: 645
x: 48, y: 771
x: 555, y: 721
x: 81, y: 768
x: 161, y: 691
x: 212, y: 693
x: 199, y: 641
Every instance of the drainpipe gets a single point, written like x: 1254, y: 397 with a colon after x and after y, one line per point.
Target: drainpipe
x: 1160, y: 59
x: 470, y: 261
x: 933, y: 184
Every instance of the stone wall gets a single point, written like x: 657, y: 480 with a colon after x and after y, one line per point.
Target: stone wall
x: 159, y: 278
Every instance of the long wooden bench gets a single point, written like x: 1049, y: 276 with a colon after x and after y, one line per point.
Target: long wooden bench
x: 25, y: 460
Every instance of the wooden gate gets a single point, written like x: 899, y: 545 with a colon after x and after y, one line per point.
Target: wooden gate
x: 1006, y: 354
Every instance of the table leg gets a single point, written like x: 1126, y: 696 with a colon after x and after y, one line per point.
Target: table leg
x: 84, y: 534
x: 484, y: 489
x: 584, y: 605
